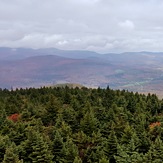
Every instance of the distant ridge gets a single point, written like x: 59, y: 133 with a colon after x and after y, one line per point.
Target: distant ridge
x: 22, y: 53
x: 134, y: 71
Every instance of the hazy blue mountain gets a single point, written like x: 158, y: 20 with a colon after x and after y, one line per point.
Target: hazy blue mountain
x: 20, y: 53
x: 135, y: 71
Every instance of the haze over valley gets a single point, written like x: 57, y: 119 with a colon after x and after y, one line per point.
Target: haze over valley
x: 134, y: 71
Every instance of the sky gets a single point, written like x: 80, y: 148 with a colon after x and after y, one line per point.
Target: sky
x: 98, y: 25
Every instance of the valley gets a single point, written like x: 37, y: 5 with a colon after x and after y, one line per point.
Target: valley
x: 141, y: 71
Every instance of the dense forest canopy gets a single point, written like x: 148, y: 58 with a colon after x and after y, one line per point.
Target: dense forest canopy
x: 72, y: 125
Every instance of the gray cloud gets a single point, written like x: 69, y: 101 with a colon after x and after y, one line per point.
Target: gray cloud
x: 99, y: 25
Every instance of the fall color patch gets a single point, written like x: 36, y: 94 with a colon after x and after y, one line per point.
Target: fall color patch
x: 153, y: 125
x: 14, y: 117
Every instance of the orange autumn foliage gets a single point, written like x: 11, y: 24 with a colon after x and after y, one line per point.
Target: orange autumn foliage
x: 153, y: 125
x: 14, y: 117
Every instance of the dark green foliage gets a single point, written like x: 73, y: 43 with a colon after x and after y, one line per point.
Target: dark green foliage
x: 52, y: 108
x: 77, y: 160
x: 11, y: 155
x: 69, y: 151
x: 57, y: 146
x: 35, y: 148
x: 110, y: 146
x: 72, y: 125
x: 89, y: 123
x: 4, y: 143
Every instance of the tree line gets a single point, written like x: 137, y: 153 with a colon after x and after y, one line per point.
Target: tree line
x: 72, y: 125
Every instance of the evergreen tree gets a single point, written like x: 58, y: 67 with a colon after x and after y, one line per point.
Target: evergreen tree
x: 52, y: 110
x: 156, y: 151
x: 11, y: 155
x: 2, y: 116
x: 35, y: 149
x: 57, y: 147
x: 110, y: 146
x: 4, y: 143
x: 89, y: 123
x: 103, y: 160
x: 69, y: 151
x: 77, y: 160
x: 41, y: 152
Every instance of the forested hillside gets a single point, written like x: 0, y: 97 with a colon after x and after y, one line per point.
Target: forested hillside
x: 72, y: 125
x: 134, y: 71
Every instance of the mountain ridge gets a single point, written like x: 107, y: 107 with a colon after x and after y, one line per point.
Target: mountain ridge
x: 137, y: 71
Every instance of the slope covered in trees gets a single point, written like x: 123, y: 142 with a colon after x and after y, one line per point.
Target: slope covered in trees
x: 134, y: 71
x: 70, y: 125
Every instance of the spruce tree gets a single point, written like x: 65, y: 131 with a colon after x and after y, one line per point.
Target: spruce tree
x: 69, y: 151
x: 57, y: 146
x: 4, y: 143
x: 11, y: 155
x: 77, y: 160
x: 89, y: 123
x: 110, y: 146
x: 35, y: 148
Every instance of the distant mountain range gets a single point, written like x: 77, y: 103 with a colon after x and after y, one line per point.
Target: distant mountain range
x: 135, y: 71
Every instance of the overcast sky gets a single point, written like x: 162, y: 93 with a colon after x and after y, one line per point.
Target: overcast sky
x: 98, y: 25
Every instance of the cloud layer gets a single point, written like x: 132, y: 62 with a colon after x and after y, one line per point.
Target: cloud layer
x: 98, y: 25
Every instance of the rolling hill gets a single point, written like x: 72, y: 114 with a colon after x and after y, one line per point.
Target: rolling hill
x: 135, y: 71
